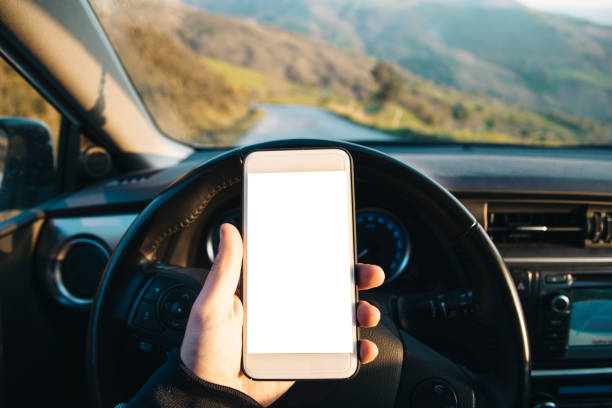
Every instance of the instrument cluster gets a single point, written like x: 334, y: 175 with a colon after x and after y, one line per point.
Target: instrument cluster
x: 382, y: 239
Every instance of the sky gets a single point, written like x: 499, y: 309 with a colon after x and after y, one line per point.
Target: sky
x: 599, y: 11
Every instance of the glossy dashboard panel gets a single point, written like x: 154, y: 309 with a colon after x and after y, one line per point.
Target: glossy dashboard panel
x: 459, y: 168
x: 107, y: 228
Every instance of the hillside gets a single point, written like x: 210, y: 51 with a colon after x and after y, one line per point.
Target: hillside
x: 243, y: 42
x: 423, y: 111
x: 184, y: 98
x: 496, y: 47
x: 228, y: 64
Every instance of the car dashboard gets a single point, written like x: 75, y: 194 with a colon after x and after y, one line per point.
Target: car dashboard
x: 548, y: 211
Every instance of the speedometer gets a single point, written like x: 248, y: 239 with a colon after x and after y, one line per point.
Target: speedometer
x: 382, y: 240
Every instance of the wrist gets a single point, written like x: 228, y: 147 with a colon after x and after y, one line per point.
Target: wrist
x: 198, y: 366
x: 174, y: 385
x: 207, y: 382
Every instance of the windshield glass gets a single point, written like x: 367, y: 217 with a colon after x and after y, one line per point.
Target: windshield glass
x: 231, y: 72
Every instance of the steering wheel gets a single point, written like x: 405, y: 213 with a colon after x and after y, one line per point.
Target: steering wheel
x: 155, y: 268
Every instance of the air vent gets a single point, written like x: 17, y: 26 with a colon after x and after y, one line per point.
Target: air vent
x: 540, y: 224
x: 598, y: 229
x: 536, y: 224
x: 75, y: 271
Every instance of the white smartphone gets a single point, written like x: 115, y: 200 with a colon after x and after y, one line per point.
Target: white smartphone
x: 298, y: 285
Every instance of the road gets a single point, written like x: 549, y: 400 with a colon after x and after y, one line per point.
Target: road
x: 306, y: 122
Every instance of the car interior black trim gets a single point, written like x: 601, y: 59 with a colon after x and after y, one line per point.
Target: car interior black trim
x: 68, y: 154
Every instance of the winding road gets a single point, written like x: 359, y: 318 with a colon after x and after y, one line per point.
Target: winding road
x: 306, y: 122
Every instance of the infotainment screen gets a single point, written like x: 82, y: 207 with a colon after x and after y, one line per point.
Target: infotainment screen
x: 591, y: 318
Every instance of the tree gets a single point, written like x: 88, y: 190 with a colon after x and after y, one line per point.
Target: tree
x: 460, y: 112
x: 389, y: 82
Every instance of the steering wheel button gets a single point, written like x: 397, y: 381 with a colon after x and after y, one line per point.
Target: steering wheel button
x: 145, y: 346
x: 179, y: 309
x: 434, y: 393
x: 178, y: 324
x: 145, y: 317
x: 175, y: 307
x: 157, y: 287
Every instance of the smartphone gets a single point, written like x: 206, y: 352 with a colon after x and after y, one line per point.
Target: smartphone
x: 298, y: 284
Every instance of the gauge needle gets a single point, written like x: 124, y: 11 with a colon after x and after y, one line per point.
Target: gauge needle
x: 362, y: 253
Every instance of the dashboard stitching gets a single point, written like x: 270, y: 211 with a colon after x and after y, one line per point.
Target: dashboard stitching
x: 191, y: 218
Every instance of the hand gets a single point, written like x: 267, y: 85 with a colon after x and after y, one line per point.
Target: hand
x: 212, y: 346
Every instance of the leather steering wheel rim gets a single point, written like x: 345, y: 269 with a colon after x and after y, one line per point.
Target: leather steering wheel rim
x: 162, y: 233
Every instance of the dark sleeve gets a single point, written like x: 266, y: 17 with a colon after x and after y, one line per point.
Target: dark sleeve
x: 174, y: 385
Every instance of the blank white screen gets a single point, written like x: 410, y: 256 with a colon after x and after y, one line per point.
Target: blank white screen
x: 298, y: 263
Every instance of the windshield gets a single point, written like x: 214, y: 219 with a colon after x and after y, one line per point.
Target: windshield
x: 231, y: 72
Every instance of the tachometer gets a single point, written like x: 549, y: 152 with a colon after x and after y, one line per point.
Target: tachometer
x: 382, y: 240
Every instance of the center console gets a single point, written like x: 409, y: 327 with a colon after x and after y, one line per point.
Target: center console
x: 568, y: 308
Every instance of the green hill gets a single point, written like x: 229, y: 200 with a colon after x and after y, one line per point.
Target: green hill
x: 500, y: 48
x: 182, y: 94
x: 242, y: 42
x: 200, y: 72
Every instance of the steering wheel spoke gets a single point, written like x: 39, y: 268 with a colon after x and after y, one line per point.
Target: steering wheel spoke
x: 431, y: 380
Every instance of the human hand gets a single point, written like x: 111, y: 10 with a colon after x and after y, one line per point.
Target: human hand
x: 212, y: 346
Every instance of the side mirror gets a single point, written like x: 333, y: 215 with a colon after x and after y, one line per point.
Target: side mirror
x: 27, y: 172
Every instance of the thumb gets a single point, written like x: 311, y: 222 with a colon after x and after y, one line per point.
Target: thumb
x: 225, y: 273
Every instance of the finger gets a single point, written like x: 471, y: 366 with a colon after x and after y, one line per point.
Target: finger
x: 369, y: 276
x: 225, y: 273
x: 368, y: 351
x: 367, y: 315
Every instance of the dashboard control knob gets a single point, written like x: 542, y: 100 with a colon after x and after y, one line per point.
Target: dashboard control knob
x: 560, y: 304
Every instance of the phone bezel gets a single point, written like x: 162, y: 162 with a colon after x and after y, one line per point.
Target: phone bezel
x: 300, y: 366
